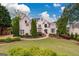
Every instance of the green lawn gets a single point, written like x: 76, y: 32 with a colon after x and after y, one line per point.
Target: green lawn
x: 60, y: 46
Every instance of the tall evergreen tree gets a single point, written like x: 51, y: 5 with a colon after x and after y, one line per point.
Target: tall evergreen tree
x: 5, y: 20
x: 63, y: 20
x: 33, y: 28
x: 61, y: 25
x: 70, y: 14
x: 15, y: 26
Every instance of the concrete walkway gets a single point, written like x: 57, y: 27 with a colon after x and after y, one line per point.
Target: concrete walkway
x: 35, y: 38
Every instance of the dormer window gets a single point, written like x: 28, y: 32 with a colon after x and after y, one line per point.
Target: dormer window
x: 25, y: 21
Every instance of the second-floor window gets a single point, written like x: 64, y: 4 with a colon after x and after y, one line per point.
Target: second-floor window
x: 39, y: 25
x: 52, y: 30
x: 45, y: 25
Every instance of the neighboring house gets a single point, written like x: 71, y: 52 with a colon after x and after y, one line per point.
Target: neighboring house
x: 44, y: 26
x: 74, y: 27
x: 24, y: 24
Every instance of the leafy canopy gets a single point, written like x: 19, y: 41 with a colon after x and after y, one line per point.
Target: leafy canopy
x: 5, y: 20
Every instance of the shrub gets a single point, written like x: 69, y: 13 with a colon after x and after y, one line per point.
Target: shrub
x: 52, y: 35
x: 40, y: 34
x: 27, y: 34
x: 65, y: 36
x: 8, y: 40
x: 75, y: 36
x: 19, y: 51
x: 34, y: 51
x: 72, y: 36
x: 16, y: 39
x: 47, y: 52
x: 1, y: 40
x: 13, y: 51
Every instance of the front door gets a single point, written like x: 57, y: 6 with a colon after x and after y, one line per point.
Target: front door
x: 46, y: 31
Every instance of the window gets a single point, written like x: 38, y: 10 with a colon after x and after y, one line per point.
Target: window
x: 68, y: 29
x: 45, y: 25
x: 52, y: 30
x: 25, y: 21
x: 22, y: 32
x: 39, y: 25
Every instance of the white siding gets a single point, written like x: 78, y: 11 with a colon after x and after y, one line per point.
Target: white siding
x: 23, y: 25
x: 42, y: 23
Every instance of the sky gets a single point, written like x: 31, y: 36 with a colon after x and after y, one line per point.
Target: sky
x: 54, y: 10
x: 49, y: 10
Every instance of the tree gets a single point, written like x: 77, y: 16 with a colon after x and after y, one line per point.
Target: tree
x: 15, y: 26
x: 61, y: 25
x: 70, y: 14
x: 63, y: 21
x: 5, y: 20
x: 33, y: 28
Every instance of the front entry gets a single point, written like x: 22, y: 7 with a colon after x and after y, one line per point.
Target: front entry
x: 46, y: 31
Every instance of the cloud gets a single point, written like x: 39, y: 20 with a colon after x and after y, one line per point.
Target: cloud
x: 56, y: 5
x: 62, y: 8
x: 23, y: 8
x: 59, y: 16
x: 46, y: 16
x: 15, y: 8
x: 47, y: 6
x: 54, y: 17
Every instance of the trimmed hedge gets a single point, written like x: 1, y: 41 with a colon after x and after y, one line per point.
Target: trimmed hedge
x: 33, y: 51
x: 16, y: 39
x: 8, y: 40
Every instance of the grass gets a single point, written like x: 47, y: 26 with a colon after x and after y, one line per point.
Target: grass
x: 61, y: 46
